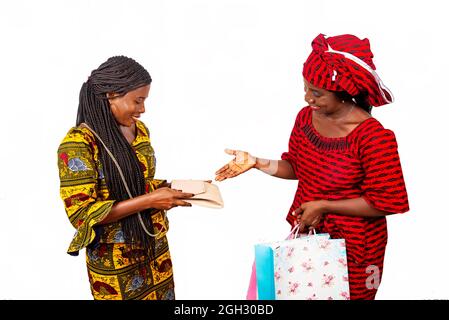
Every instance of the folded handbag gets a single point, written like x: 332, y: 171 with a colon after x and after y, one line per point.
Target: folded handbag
x: 205, y: 194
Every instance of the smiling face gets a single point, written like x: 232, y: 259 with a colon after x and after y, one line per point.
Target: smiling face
x: 128, y: 108
x: 320, y: 100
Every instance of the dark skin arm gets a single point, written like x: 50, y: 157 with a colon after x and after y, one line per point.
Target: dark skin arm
x: 310, y: 213
x: 162, y: 198
x: 276, y: 168
x: 244, y: 161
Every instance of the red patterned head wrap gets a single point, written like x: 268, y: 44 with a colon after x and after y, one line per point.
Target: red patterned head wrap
x: 344, y: 63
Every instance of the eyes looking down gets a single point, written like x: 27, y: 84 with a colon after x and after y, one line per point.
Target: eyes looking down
x: 319, y: 98
x: 311, y: 92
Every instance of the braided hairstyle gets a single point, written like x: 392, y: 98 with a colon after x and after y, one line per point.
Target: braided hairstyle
x: 118, y: 75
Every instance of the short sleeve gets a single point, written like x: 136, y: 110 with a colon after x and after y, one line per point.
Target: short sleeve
x: 383, y: 186
x: 79, y: 187
x: 293, y: 143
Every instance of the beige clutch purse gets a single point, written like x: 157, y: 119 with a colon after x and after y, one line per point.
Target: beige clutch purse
x: 206, y: 194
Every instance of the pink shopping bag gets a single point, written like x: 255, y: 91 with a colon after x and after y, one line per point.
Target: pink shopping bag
x: 252, y: 288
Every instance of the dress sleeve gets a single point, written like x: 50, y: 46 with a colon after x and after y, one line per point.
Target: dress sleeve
x: 383, y: 186
x: 79, y: 187
x: 156, y: 183
x: 293, y: 143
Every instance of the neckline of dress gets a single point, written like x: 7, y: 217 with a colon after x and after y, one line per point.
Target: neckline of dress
x: 319, y: 135
x: 138, y: 132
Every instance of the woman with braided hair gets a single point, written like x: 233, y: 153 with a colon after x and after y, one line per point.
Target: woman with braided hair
x: 106, y: 168
x: 346, y: 163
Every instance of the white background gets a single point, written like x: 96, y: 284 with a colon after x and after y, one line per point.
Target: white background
x: 225, y: 74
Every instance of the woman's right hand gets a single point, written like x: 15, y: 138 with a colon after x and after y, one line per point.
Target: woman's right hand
x: 242, y: 162
x: 166, y: 198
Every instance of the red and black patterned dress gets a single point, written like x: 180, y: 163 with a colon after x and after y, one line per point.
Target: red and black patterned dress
x: 365, y: 164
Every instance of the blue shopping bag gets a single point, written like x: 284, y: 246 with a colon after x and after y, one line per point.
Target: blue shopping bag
x: 264, y: 272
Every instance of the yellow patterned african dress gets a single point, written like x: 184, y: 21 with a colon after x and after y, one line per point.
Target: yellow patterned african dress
x: 112, y: 275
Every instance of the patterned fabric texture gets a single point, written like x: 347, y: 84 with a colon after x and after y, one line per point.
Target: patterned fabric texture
x: 345, y: 63
x: 112, y: 274
x: 365, y: 164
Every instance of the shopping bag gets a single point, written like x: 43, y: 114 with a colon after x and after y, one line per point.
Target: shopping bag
x: 264, y: 267
x: 264, y: 271
x: 252, y: 287
x: 309, y: 268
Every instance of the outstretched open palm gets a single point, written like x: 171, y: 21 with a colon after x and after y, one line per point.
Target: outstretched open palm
x: 242, y: 162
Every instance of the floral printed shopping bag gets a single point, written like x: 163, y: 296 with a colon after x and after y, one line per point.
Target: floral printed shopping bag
x: 311, y: 268
x: 262, y: 285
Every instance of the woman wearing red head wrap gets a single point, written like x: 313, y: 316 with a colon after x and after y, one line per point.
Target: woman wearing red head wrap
x: 346, y: 163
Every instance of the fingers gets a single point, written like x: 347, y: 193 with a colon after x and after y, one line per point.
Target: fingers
x: 180, y: 203
x: 184, y: 195
x: 231, y: 173
x: 234, y: 169
x: 222, y: 169
x: 296, y: 212
x: 314, y: 224
x: 231, y: 152
x: 304, y: 226
x: 208, y: 181
x: 227, y: 171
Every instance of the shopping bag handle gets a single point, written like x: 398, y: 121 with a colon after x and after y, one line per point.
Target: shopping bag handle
x: 295, y: 230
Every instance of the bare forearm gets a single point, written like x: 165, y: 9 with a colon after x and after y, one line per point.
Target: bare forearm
x: 126, y: 208
x: 309, y: 214
x: 161, y: 198
x: 357, y: 207
x: 277, y: 168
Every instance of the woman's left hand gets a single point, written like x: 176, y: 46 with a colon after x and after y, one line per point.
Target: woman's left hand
x: 310, y: 214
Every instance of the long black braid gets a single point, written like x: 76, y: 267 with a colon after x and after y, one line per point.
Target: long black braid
x: 118, y: 75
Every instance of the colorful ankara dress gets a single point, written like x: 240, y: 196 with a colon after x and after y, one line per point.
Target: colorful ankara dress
x: 83, y: 189
x: 365, y: 164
